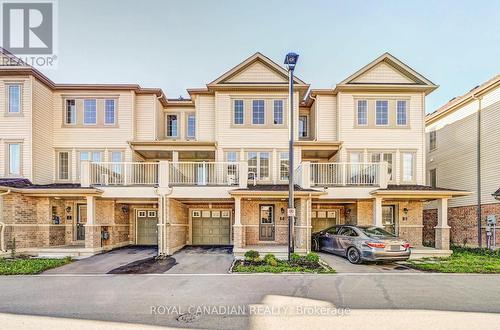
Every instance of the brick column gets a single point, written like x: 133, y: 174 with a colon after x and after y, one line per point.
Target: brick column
x: 301, y: 238
x: 442, y: 230
x: 238, y: 229
x: 92, y: 230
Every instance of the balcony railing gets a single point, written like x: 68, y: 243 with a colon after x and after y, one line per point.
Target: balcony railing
x: 348, y: 174
x: 204, y: 173
x: 123, y: 173
x: 161, y: 173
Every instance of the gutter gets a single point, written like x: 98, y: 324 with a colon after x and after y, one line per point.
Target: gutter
x: 478, y: 170
x: 2, y: 225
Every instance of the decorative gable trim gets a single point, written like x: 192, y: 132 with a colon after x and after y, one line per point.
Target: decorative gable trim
x: 408, y: 75
x: 228, y: 78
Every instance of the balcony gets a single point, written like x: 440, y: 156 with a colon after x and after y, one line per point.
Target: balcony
x: 189, y: 174
x: 163, y: 174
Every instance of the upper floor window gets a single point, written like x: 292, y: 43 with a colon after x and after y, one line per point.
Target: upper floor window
x: 63, y: 165
x: 14, y: 98
x: 172, y: 123
x: 378, y: 157
x: 432, y: 140
x: 433, y: 178
x: 258, y: 112
x: 191, y: 126
x: 109, y: 112
x: 14, y: 159
x: 89, y: 112
x: 278, y: 112
x: 401, y: 115
x: 382, y: 113
x: 303, y: 126
x: 356, y: 157
x: 70, y: 112
x: 362, y: 112
x: 258, y: 164
x: 239, y: 112
x: 408, y: 166
x: 232, y: 156
x: 284, y: 165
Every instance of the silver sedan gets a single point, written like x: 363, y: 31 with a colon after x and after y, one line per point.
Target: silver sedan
x: 361, y: 243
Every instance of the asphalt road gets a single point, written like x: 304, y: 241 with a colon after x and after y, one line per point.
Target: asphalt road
x: 160, y: 299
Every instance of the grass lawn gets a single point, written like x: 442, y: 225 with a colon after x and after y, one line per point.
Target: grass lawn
x: 29, y: 266
x: 463, y: 260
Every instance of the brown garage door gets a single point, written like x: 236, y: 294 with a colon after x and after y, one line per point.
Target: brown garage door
x: 322, y: 219
x: 211, y: 227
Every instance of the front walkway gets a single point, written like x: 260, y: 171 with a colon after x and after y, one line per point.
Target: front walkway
x: 105, y: 262
x: 341, y: 265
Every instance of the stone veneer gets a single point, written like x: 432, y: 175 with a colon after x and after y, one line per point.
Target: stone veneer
x: 463, y: 223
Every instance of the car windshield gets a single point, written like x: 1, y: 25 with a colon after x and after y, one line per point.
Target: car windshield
x: 376, y: 232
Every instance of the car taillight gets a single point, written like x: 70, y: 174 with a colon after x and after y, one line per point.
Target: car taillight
x: 407, y: 245
x: 376, y: 245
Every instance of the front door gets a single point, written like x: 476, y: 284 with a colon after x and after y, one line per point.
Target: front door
x: 81, y: 220
x: 389, y: 218
x: 147, y: 229
x: 266, y: 224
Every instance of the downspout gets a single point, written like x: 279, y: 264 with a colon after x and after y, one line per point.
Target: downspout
x: 478, y: 174
x: 2, y: 225
x: 315, y: 117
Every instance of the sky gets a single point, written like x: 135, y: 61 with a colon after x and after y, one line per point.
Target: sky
x: 175, y: 45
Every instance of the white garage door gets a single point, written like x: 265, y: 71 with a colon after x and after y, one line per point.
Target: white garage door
x: 211, y: 227
x: 322, y: 219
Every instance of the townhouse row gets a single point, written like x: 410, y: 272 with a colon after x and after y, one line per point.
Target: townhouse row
x: 93, y: 167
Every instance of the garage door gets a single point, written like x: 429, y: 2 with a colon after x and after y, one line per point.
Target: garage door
x: 147, y: 229
x: 322, y: 219
x: 211, y: 227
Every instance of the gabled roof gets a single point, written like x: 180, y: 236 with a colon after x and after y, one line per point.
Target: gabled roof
x: 386, y: 59
x: 455, y: 102
x: 256, y: 59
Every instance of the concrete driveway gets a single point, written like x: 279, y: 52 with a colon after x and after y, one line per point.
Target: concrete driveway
x: 341, y: 265
x: 202, y: 260
x: 105, y: 262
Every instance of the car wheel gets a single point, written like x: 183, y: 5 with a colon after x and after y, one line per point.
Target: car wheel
x: 315, y: 245
x: 353, y: 256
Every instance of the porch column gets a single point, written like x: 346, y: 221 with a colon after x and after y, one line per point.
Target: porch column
x: 442, y: 230
x: 92, y: 230
x: 377, y: 212
x: 238, y: 229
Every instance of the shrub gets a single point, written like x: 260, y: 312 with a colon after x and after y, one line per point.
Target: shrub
x: 271, y: 260
x: 295, y: 257
x: 312, y: 257
x: 252, y: 255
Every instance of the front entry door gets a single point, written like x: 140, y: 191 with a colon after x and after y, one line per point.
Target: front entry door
x: 389, y: 218
x: 81, y: 220
x: 147, y: 229
x: 266, y: 224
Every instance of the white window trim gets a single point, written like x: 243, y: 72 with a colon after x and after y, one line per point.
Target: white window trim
x: 90, y: 124
x: 388, y: 113
x: 307, y: 127
x: 264, y: 103
x: 280, y: 159
x: 357, y: 113
x: 406, y: 113
x: 190, y: 137
x: 66, y: 113
x: 402, y: 164
x: 270, y: 166
x: 58, y: 168
x: 105, y: 110
x: 282, y: 113
x: 8, y: 143
x: 7, y: 99
x: 234, y: 112
x: 178, y: 125
x: 435, y: 140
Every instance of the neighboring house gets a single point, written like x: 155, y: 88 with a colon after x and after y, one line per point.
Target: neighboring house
x: 463, y: 142
x: 94, y: 167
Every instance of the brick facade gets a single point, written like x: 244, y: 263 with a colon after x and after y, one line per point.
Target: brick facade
x: 463, y: 223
